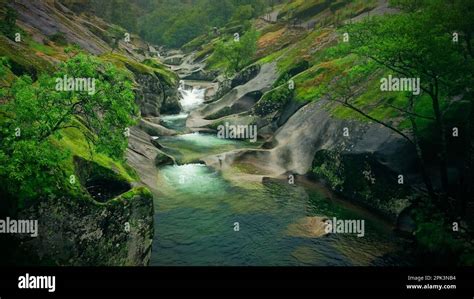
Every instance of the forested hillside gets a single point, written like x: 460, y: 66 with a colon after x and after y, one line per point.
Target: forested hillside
x: 173, y: 23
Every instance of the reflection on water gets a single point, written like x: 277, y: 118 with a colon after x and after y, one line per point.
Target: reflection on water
x: 195, y: 216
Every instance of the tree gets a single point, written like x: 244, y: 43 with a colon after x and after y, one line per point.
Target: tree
x: 417, y: 45
x: 8, y: 24
x: 37, y: 112
x: 237, y: 54
x: 344, y: 90
x: 456, y: 19
x: 3, y: 66
x: 243, y: 13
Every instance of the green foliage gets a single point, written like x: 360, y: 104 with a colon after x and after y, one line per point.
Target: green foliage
x: 435, y: 237
x: 59, y: 38
x: 40, y: 47
x: 23, y: 59
x: 148, y: 66
x: 36, y: 113
x: 414, y: 52
x: 120, y: 12
x: 293, y: 71
x: 274, y: 100
x: 8, y: 24
x: 175, y: 23
x: 3, y: 66
x: 327, y: 165
x: 242, y: 13
x: 72, y: 49
x: 237, y: 54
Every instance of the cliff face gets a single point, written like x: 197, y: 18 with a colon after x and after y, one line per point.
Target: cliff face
x: 46, y: 18
x: 156, y: 97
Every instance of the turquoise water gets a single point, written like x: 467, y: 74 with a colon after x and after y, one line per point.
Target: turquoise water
x: 196, y: 215
x: 193, y: 146
x: 198, y: 210
x: 175, y: 122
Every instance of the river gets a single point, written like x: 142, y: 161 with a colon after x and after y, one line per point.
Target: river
x: 203, y: 218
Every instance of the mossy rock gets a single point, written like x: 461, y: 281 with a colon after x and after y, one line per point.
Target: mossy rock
x: 273, y: 100
x: 360, y: 177
x: 23, y: 61
x: 101, y: 183
x: 148, y: 67
x: 82, y: 232
x: 162, y: 159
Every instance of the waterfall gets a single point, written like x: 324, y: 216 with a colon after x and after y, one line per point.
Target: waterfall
x: 190, y: 97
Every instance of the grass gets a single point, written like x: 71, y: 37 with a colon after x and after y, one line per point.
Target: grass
x: 41, y: 48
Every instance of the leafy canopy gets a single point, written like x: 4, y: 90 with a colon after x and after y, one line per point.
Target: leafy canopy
x: 36, y: 112
x: 237, y: 54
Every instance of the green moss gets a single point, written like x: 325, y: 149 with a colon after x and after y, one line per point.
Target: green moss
x: 221, y: 113
x: 374, y: 102
x: 332, y: 9
x: 304, y: 49
x: 137, y: 191
x: 41, y: 48
x: 23, y: 59
x: 312, y: 83
x: 205, y: 51
x: 125, y: 62
x: 149, y: 67
x: 6, y: 77
x: 196, y: 43
x: 272, y: 57
x: 363, y: 179
x: 162, y: 71
x: 304, y: 8
x: 74, y: 141
x: 274, y: 100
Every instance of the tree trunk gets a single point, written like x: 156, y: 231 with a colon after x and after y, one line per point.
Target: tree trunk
x: 443, y: 165
x: 419, y: 153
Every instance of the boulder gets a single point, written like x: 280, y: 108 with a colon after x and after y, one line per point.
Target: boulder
x: 154, y: 96
x: 173, y: 60
x: 81, y: 232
